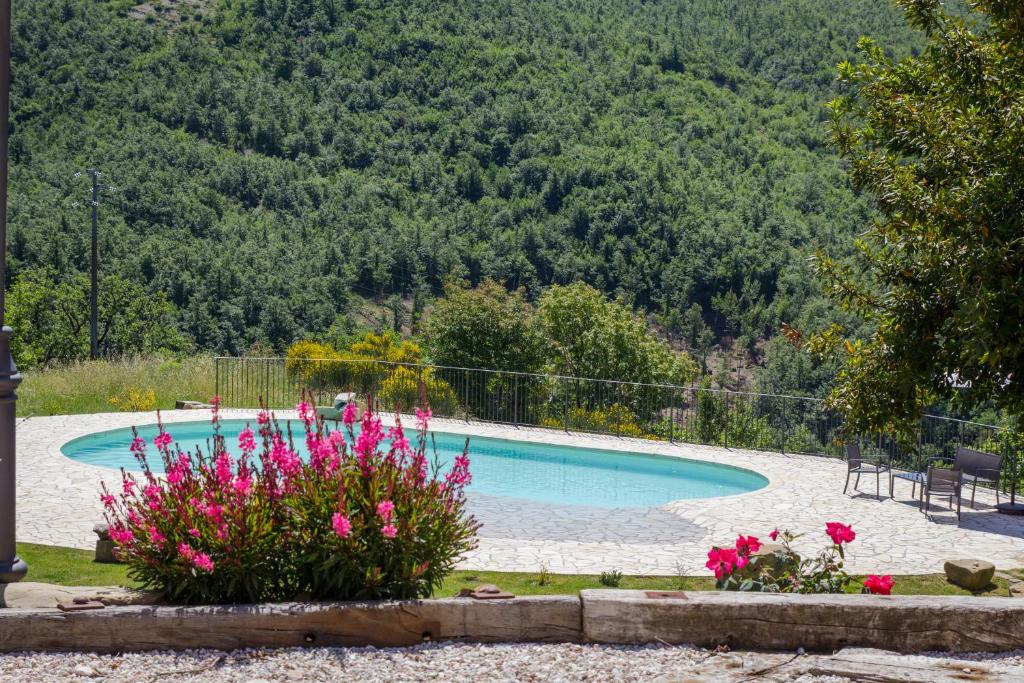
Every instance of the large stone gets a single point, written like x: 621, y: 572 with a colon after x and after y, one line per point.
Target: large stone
x: 817, y: 623
x: 105, y: 548
x: 1017, y: 589
x: 35, y: 594
x: 970, y: 574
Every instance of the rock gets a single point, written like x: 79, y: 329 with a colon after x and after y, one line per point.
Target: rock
x: 35, y: 594
x: 970, y: 574
x: 192, y: 405
x: 1017, y: 589
x: 85, y: 670
x: 105, y: 548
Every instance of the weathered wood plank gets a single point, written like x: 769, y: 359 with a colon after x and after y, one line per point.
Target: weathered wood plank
x: 814, y: 622
x: 542, y: 618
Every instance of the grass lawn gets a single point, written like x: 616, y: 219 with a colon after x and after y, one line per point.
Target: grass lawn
x: 105, y: 386
x: 51, y: 564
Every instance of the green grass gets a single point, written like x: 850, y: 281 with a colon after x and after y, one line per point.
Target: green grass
x: 51, y: 564
x: 70, y: 567
x: 88, y: 387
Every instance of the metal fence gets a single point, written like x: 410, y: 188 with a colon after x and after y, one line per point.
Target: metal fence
x: 689, y: 414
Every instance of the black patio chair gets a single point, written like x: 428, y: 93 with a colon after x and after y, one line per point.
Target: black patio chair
x: 978, y: 466
x: 857, y: 464
x: 940, y: 481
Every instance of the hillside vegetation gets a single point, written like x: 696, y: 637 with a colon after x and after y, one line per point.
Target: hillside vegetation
x: 275, y: 161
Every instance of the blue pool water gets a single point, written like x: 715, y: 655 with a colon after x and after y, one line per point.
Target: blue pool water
x: 539, y: 472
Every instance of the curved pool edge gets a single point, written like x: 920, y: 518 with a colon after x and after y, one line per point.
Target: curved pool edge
x: 696, y: 453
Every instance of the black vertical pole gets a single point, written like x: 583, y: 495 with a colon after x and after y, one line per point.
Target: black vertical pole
x: 93, y: 287
x: 12, y: 568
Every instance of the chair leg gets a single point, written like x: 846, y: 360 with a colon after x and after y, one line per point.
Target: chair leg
x: 847, y: 484
x: 974, y: 489
x: 878, y: 485
x: 856, y: 482
x: 892, y: 480
x: 958, y: 498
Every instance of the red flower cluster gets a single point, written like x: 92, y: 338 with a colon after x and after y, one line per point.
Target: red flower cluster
x: 879, y: 585
x: 724, y: 561
x: 840, y: 533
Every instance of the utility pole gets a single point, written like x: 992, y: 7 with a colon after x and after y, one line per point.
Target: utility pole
x: 12, y: 567
x: 93, y: 284
x: 94, y: 262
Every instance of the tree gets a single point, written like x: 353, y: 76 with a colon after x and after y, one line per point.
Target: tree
x: 485, y: 327
x: 590, y: 336
x: 51, y: 319
x: 937, y: 138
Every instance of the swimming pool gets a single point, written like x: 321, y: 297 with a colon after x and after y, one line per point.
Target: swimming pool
x: 549, y: 473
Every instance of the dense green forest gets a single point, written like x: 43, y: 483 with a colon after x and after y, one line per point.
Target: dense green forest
x: 275, y: 163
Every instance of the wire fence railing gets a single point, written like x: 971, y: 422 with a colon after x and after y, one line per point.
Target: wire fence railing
x: 687, y: 414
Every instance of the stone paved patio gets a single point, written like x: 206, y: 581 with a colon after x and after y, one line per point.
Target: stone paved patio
x: 58, y: 504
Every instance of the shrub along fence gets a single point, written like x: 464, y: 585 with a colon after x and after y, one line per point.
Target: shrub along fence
x: 687, y: 414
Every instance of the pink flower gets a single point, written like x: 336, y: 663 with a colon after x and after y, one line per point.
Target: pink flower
x: 202, y: 561
x: 422, y: 418
x: 459, y: 475
x: 385, y: 508
x: 127, y: 485
x: 155, y: 537
x: 222, y: 467
x: 879, y: 585
x: 138, y: 446
x: 774, y: 534
x: 342, y: 525
x: 193, y: 532
x: 722, y: 561
x: 153, y: 494
x: 120, y: 535
x: 162, y: 440
x: 263, y: 418
x: 389, y: 531
x: 215, y: 410
x: 185, y: 551
x: 107, y: 500
x: 349, y: 415
x: 747, y: 545
x: 306, y: 413
x: 840, y: 533
x: 246, y: 440
x: 243, y: 484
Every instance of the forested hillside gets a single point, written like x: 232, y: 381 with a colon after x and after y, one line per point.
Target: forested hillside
x: 275, y: 159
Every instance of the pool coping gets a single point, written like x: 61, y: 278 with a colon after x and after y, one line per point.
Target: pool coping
x: 389, y: 421
x: 58, y: 504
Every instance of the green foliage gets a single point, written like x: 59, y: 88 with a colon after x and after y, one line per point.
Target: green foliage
x: 276, y: 159
x: 485, y: 327
x: 51, y: 319
x: 936, y: 137
x: 380, y: 524
x: 590, y: 336
x: 611, y: 579
x: 615, y: 419
x: 87, y: 387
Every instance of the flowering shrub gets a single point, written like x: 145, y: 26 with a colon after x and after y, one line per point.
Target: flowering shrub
x: 782, y: 570
x: 351, y: 521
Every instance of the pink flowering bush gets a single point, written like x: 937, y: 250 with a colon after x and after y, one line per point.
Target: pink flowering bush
x: 352, y: 520
x: 744, y: 568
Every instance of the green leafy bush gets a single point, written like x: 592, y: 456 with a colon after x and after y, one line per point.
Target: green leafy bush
x: 351, y: 521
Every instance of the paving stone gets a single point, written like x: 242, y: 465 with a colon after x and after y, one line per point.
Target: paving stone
x: 58, y: 503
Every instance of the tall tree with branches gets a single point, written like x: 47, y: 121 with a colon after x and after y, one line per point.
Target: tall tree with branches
x: 938, y: 138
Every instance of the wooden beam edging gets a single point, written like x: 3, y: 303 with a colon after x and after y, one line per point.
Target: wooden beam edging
x: 227, y: 627
x: 749, y: 621
x: 817, y: 623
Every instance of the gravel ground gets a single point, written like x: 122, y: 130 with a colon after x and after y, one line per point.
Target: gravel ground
x: 429, y: 662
